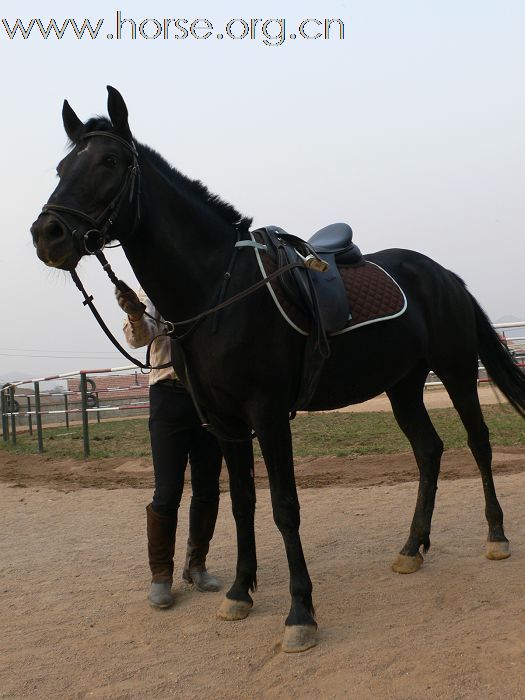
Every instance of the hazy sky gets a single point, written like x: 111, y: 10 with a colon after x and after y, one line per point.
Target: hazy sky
x: 411, y: 129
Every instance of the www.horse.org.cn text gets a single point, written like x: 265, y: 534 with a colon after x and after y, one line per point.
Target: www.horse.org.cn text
x: 270, y: 32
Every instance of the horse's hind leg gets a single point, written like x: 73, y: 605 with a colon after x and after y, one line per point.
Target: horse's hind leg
x: 462, y: 388
x: 410, y: 412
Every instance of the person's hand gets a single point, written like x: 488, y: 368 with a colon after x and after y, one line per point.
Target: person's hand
x: 129, y: 302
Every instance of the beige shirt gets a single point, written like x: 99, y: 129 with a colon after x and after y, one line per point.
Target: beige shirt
x: 140, y: 333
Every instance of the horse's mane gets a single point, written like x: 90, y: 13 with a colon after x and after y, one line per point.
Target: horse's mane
x: 195, y: 188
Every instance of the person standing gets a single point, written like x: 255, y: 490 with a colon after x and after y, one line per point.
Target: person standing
x: 176, y: 438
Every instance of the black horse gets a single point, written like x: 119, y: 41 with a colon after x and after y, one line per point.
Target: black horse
x: 245, y: 364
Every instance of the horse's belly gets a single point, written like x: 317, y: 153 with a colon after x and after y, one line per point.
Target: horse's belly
x: 364, y: 364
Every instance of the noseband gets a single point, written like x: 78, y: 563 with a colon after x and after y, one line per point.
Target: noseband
x: 94, y: 240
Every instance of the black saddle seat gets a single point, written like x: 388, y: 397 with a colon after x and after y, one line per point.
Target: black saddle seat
x: 336, y: 239
x: 320, y: 294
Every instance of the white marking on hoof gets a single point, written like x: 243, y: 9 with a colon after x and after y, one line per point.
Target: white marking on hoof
x: 405, y: 564
x: 233, y: 609
x: 497, y: 550
x: 299, y: 638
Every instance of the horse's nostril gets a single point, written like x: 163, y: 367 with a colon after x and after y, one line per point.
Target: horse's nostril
x: 53, y: 229
x: 47, y: 232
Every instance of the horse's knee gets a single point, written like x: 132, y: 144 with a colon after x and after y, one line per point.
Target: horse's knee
x: 286, y: 516
x: 245, y: 512
x: 243, y: 508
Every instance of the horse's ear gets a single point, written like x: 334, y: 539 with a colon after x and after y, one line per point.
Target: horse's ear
x: 72, y: 123
x: 118, y: 112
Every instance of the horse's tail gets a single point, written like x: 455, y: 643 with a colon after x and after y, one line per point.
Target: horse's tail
x: 498, y: 361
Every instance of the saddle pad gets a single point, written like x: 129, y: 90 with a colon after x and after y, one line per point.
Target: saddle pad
x: 373, y: 295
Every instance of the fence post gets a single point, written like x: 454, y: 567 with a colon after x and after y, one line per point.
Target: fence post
x: 98, y: 406
x: 13, y: 417
x: 38, y: 418
x: 85, y: 422
x: 29, y: 416
x: 66, y: 409
x: 5, y: 421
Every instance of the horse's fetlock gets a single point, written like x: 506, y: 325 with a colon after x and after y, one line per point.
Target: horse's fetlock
x: 237, y: 592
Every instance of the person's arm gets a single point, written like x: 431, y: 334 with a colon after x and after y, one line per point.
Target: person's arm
x: 139, y: 329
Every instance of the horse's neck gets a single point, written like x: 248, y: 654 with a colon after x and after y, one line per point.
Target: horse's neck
x: 179, y: 253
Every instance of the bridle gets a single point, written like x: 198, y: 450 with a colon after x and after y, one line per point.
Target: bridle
x: 94, y: 239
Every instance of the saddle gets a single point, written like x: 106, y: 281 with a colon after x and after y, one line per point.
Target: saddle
x: 316, y: 288
x: 334, y: 291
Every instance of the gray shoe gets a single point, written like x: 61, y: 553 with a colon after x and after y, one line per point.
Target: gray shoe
x: 160, y: 595
x: 202, y: 581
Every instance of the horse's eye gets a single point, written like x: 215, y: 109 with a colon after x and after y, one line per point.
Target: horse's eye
x: 110, y: 161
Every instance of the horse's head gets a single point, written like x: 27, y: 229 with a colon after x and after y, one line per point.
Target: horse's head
x: 98, y: 182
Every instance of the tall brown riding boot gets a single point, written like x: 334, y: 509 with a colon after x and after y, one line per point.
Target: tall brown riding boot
x: 203, y: 516
x: 161, y: 548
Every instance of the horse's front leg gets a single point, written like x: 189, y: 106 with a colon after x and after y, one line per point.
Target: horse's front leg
x: 239, y: 460
x: 276, y: 445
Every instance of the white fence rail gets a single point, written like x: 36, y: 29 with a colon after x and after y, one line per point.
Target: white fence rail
x: 86, y: 400
x: 40, y: 406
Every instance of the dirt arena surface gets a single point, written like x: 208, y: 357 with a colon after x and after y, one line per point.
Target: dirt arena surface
x: 311, y: 472
x: 75, y: 623
x: 73, y: 578
x: 435, y: 397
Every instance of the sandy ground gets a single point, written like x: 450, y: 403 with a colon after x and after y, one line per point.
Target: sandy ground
x: 435, y: 397
x: 75, y: 623
x: 74, y: 577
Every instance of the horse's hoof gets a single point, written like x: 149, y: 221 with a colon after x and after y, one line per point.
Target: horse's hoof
x: 405, y: 564
x: 234, y: 609
x: 497, y: 550
x: 299, y: 638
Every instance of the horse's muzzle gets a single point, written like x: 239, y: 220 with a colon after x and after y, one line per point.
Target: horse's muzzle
x: 53, y: 242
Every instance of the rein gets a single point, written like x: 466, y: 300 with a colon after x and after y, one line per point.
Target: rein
x: 170, y: 325
x: 88, y: 301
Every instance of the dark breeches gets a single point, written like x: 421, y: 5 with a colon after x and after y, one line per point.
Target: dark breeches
x: 176, y: 436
